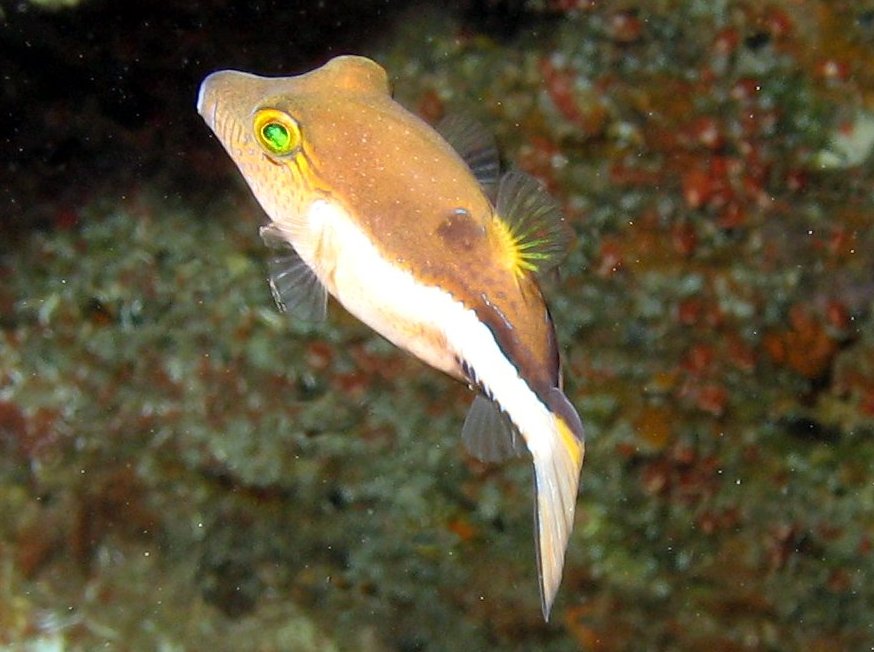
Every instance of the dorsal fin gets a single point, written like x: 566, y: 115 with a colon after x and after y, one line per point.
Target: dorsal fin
x: 538, y: 236
x: 476, y: 145
x: 488, y: 433
x: 295, y: 287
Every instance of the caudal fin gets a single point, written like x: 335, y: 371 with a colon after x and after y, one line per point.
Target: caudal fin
x: 556, y: 480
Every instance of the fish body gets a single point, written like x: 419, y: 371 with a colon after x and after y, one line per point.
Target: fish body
x: 376, y: 208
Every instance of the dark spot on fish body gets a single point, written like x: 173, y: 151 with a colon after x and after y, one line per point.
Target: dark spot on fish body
x: 460, y: 231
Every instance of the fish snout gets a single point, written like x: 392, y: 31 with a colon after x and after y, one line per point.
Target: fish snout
x: 211, y: 89
x: 234, y: 91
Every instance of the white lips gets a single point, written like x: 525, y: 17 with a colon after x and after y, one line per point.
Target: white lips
x: 200, y: 93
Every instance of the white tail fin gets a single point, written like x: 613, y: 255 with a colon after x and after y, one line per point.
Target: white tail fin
x: 556, y: 480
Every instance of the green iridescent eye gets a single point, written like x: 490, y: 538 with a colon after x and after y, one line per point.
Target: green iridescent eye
x: 276, y: 137
x: 277, y: 132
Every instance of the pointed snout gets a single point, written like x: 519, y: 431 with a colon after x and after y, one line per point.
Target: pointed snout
x: 216, y: 85
x: 236, y: 92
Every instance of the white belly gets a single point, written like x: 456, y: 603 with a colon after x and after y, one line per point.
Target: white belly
x: 424, y: 320
x: 383, y: 295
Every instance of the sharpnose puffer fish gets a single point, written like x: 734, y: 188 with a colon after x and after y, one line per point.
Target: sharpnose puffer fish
x: 412, y: 231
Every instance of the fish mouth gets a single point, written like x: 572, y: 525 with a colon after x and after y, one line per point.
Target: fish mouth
x: 232, y: 86
x: 201, y: 95
x: 206, y: 98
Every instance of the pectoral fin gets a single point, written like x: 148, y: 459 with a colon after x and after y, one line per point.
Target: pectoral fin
x: 295, y: 287
x: 556, y: 481
x: 488, y: 433
x: 537, y: 237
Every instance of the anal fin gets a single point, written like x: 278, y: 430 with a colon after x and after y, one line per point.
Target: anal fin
x: 295, y: 287
x: 488, y: 433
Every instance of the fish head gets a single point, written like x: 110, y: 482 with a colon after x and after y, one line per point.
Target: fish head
x: 278, y: 129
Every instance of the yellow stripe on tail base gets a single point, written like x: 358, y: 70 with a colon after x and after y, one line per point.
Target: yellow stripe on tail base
x: 556, y: 481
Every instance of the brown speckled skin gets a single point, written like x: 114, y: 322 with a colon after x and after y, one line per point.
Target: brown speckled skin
x: 404, y: 184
